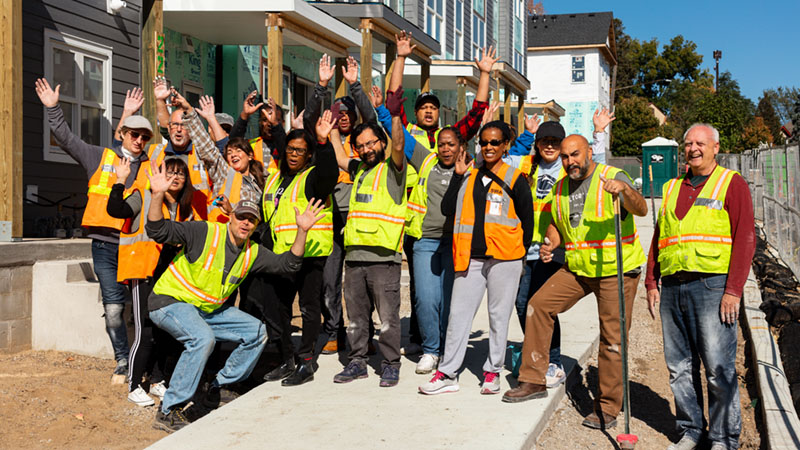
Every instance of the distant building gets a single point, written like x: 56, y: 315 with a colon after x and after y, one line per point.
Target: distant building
x: 570, y: 60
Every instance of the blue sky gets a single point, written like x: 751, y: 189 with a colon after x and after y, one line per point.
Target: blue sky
x: 760, y: 41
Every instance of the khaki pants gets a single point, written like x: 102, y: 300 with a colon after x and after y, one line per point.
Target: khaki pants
x: 560, y: 293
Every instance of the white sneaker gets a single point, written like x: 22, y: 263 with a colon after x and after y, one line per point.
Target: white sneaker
x: 427, y: 363
x: 158, y: 389
x: 686, y: 443
x: 719, y: 446
x: 140, y: 397
x: 491, y: 383
x: 411, y: 349
x: 555, y: 375
x: 439, y: 384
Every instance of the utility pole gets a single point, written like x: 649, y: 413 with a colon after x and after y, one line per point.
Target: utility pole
x: 717, y: 57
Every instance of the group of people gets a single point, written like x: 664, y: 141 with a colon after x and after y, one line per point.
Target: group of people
x: 205, y: 216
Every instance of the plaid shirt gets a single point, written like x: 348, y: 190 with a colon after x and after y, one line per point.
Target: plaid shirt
x: 468, y: 126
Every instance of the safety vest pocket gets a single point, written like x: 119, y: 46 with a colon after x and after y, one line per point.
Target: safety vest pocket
x: 366, y: 226
x: 708, y: 251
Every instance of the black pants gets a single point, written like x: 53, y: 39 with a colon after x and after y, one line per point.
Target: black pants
x: 152, y: 347
x: 270, y: 298
x: 333, y: 319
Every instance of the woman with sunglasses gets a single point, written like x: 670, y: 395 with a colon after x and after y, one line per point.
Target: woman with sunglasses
x: 142, y: 261
x: 493, y: 223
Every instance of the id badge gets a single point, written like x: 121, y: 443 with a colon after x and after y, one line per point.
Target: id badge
x: 495, y: 204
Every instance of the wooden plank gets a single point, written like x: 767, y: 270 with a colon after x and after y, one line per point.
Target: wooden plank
x: 391, y: 56
x: 462, y: 98
x: 153, y: 25
x: 11, y: 118
x: 520, y: 114
x: 425, y: 77
x: 507, y: 105
x: 496, y: 95
x: 341, y: 86
x: 275, y: 57
x: 366, y: 55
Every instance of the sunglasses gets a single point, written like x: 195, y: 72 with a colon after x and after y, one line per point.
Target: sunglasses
x: 136, y: 135
x: 493, y: 142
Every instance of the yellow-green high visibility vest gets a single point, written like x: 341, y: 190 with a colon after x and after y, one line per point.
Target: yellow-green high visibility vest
x: 542, y: 208
x: 701, y: 241
x: 591, y: 245
x: 282, y: 221
x: 374, y: 219
x: 422, y: 137
x: 418, y: 201
x: 201, y: 283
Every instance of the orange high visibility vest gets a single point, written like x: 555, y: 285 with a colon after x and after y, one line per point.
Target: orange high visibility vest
x: 344, y: 177
x: 258, y: 152
x: 95, y: 215
x: 231, y: 190
x: 502, y: 228
x: 197, y: 171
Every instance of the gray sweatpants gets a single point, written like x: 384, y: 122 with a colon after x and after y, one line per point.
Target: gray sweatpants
x: 501, y: 278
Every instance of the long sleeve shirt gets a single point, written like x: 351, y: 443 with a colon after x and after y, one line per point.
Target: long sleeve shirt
x: 468, y: 126
x: 739, y: 206
x: 314, y: 105
x: 89, y: 157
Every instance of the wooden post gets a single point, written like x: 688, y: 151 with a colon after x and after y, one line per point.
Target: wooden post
x: 496, y: 95
x: 520, y: 113
x: 425, y: 77
x: 341, y: 85
x: 391, y: 55
x: 11, y: 120
x: 507, y: 105
x: 275, y: 57
x: 462, y: 97
x: 152, y: 49
x: 366, y: 55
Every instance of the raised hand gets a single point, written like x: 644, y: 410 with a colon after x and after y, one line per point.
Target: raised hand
x: 161, y: 88
x: 486, y: 63
x: 310, y: 216
x: 270, y: 112
x: 404, y: 47
x: 488, y: 114
x: 350, y: 72
x: 134, y: 98
x: 394, y: 101
x: 206, y: 108
x: 532, y: 123
x: 376, y: 96
x: 324, y: 126
x: 46, y: 94
x: 159, y: 181
x: 122, y: 169
x: 297, y: 121
x: 249, y: 106
x: 601, y: 119
x: 326, y: 70
x: 461, y: 166
x: 179, y: 101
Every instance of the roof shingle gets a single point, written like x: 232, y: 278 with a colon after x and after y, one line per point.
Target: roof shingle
x: 551, y: 30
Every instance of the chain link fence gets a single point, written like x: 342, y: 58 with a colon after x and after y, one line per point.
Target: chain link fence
x: 774, y: 181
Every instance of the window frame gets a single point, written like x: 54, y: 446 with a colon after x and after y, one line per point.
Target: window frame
x: 478, y: 46
x: 438, y: 18
x: 458, y: 35
x: 80, y: 48
x: 574, y: 70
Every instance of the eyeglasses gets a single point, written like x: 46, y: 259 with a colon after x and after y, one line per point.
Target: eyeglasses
x: 493, y: 142
x: 176, y: 125
x: 367, y: 144
x: 296, y: 150
x: 177, y: 175
x: 136, y: 135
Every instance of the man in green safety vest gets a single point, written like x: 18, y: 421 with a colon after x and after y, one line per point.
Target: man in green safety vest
x: 188, y: 300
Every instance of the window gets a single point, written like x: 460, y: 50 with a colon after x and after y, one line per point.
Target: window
x: 519, y: 47
x: 479, y: 7
x: 83, y: 69
x: 434, y: 19
x: 459, y: 30
x: 478, y: 36
x: 578, y: 69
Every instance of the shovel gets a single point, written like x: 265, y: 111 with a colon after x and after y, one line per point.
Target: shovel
x: 625, y: 440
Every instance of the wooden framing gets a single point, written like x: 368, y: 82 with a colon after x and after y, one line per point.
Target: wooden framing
x: 462, y: 96
x: 11, y: 118
x: 507, y: 104
x: 152, y: 28
x: 391, y: 56
x: 275, y: 57
x: 340, y: 87
x: 496, y: 94
x: 520, y: 113
x: 366, y: 55
x: 425, y: 77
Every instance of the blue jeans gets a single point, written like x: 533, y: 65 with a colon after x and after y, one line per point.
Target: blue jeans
x: 198, y: 332
x: 104, y: 257
x: 695, y: 334
x: 433, y: 279
x: 534, y: 274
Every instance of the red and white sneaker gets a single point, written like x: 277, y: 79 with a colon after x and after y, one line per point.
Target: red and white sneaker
x: 439, y: 384
x: 491, y: 383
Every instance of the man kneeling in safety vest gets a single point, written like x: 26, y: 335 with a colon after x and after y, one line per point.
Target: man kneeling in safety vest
x: 583, y: 218
x: 187, y: 301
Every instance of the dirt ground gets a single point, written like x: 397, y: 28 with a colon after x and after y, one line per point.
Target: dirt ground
x: 652, y: 403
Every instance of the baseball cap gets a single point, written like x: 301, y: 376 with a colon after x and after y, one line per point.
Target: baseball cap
x: 550, y: 129
x: 246, y: 207
x: 224, y: 119
x: 137, y: 123
x: 426, y: 97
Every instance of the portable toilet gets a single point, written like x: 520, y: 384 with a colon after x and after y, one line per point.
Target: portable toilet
x: 662, y: 155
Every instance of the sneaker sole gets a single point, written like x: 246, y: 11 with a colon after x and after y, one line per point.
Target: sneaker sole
x: 387, y: 383
x: 422, y: 372
x: 144, y: 403
x: 329, y: 352
x: 542, y: 394
x: 490, y: 391
x: 342, y: 381
x: 164, y: 427
x: 441, y: 390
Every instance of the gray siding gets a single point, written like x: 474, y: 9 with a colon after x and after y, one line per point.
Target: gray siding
x: 449, y: 26
x: 491, y: 39
x: 468, y: 30
x: 505, y: 40
x: 89, y: 20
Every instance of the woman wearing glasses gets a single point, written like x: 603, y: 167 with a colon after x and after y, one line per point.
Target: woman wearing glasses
x: 492, y: 230
x: 142, y: 261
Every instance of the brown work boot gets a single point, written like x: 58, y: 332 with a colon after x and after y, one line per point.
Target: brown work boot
x: 525, y: 391
x: 331, y: 347
x: 601, y: 422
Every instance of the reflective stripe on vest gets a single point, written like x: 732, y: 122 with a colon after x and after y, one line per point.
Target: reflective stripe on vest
x: 99, y: 188
x: 422, y: 137
x: 374, y: 219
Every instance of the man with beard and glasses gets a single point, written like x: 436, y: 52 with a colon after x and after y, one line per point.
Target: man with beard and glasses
x: 373, y: 240
x: 583, y: 219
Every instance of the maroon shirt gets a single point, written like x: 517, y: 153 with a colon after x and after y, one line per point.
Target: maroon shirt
x: 739, y: 206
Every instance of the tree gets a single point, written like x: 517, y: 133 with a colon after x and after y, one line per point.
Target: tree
x: 635, y: 125
x: 783, y: 100
x: 766, y: 112
x: 727, y: 110
x: 756, y: 133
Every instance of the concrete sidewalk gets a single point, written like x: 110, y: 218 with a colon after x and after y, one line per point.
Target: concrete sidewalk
x: 360, y: 414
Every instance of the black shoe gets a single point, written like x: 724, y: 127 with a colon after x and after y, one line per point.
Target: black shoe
x: 303, y: 373
x: 173, y: 421
x: 217, y: 396
x: 280, y: 372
